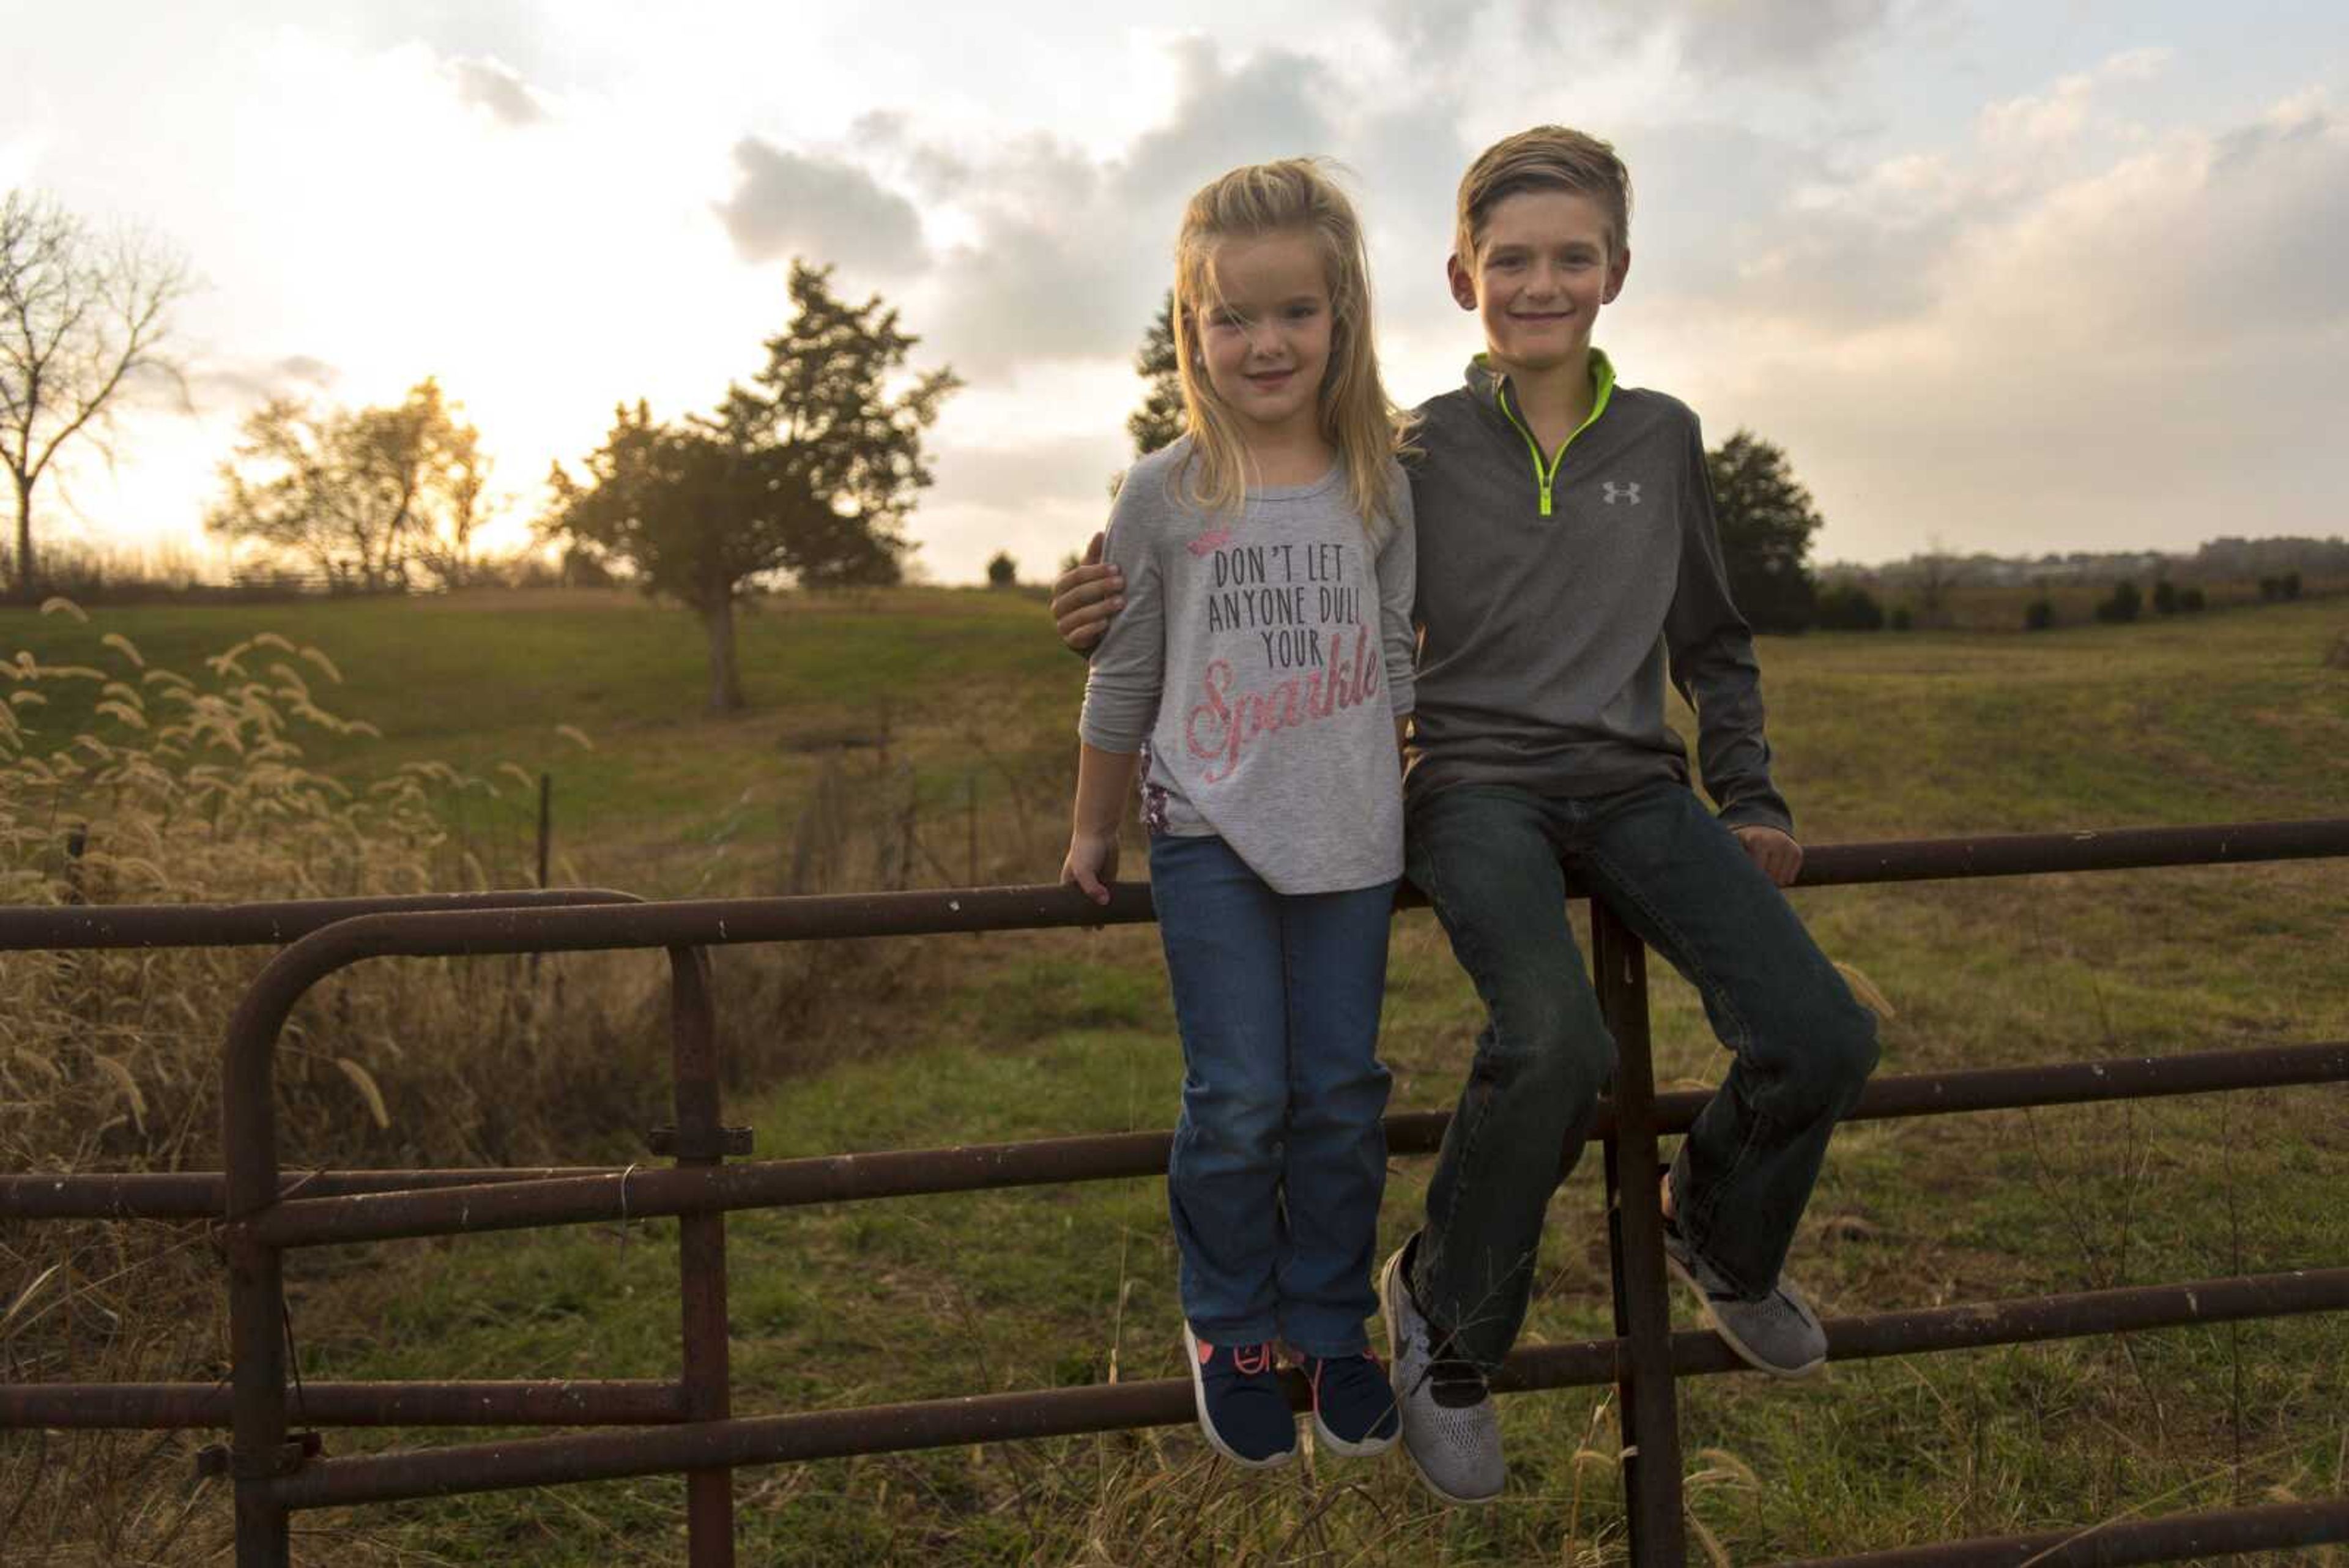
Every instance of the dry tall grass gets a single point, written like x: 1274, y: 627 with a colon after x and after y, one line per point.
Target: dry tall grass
x: 193, y: 788
x: 196, y: 787
x: 190, y: 789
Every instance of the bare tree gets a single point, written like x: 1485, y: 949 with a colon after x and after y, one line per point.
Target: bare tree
x: 84, y: 318
x: 1936, y: 573
x: 360, y: 493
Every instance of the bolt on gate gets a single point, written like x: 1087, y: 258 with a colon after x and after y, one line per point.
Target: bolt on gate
x: 276, y: 1459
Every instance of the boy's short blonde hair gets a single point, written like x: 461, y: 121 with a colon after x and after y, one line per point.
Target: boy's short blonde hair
x: 1546, y: 157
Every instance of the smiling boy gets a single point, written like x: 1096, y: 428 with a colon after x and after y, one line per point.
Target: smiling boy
x: 1569, y: 565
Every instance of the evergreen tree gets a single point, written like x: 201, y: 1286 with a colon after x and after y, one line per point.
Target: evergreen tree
x: 1766, y: 520
x: 809, y: 471
x: 1159, y: 419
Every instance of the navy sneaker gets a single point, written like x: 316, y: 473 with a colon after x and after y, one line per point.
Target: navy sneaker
x: 1354, y: 1409
x: 1243, y: 1409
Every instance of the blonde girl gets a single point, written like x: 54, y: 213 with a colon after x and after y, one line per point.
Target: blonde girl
x: 1257, y: 682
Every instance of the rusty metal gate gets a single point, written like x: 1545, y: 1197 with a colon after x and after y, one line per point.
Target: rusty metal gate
x: 686, y: 1426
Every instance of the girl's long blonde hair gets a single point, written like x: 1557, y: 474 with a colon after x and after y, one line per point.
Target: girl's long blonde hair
x: 1357, y: 417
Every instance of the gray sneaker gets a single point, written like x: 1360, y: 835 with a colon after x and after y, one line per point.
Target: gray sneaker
x: 1778, y: 1333
x: 1450, y: 1428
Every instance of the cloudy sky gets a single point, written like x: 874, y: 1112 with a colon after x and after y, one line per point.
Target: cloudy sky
x: 2012, y: 276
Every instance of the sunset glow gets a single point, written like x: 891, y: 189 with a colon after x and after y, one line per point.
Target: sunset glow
x: 2063, y: 282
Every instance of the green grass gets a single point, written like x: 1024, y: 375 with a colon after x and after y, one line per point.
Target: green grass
x: 661, y: 786
x: 2222, y: 717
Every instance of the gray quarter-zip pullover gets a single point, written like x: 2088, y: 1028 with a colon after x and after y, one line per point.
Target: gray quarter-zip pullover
x: 1553, y: 601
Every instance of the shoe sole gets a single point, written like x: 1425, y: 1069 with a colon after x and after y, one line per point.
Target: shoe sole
x: 1369, y: 1448
x: 1207, y: 1427
x: 1729, y: 1336
x: 1390, y: 1283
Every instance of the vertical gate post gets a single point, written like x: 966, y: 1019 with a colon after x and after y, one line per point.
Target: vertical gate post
x: 1645, y: 1394
x: 256, y: 1294
x: 256, y: 1298
x: 701, y: 1253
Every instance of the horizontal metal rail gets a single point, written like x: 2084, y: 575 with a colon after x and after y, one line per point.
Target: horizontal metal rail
x: 201, y: 1194
x: 643, y: 1194
x: 972, y: 1168
x: 1160, y: 1402
x: 24, y: 928
x: 160, y: 1407
x: 719, y: 922
x: 97, y: 927
x: 1581, y: 1364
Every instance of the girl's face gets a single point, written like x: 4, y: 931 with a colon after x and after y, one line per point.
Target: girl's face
x: 1266, y: 342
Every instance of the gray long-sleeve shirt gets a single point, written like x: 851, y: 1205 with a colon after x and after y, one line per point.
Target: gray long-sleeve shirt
x: 1552, y: 608
x: 1264, y: 658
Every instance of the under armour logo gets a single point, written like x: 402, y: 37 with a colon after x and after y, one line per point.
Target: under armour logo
x: 1614, y: 492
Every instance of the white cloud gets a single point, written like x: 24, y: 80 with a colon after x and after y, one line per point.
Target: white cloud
x: 240, y: 384
x: 1969, y: 300
x: 1800, y: 37
x: 499, y: 88
x: 826, y: 210
x: 2145, y: 351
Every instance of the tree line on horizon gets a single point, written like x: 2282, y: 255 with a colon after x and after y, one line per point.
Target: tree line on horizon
x: 807, y: 472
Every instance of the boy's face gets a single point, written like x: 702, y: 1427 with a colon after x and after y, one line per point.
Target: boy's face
x: 1545, y: 263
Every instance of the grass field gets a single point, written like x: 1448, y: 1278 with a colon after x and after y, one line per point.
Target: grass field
x: 478, y: 681
x: 1968, y: 605
x: 2222, y: 717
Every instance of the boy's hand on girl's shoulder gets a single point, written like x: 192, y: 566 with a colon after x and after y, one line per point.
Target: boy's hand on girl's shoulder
x: 1091, y: 864
x: 1084, y: 598
x: 1778, y: 856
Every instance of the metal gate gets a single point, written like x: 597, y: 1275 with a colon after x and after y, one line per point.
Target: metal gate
x: 686, y: 1425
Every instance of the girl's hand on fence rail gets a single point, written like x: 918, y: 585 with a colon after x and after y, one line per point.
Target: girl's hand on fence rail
x: 1092, y: 864
x: 1084, y: 598
x: 1780, y: 857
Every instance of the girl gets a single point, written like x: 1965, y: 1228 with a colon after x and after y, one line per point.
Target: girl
x: 1264, y: 658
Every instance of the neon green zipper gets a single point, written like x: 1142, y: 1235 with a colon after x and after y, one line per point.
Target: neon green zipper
x: 1602, y: 381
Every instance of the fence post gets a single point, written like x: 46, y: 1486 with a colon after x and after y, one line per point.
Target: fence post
x: 545, y: 823
x: 76, y: 841
x: 700, y: 1140
x: 256, y: 1309
x: 1645, y: 1394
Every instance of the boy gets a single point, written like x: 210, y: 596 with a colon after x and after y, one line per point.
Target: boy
x: 1568, y: 562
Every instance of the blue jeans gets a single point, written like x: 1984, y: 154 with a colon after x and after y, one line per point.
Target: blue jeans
x: 1280, y: 1153
x: 1490, y: 859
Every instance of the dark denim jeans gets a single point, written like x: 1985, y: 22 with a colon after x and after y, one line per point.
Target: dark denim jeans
x: 1280, y: 1153
x: 1489, y: 859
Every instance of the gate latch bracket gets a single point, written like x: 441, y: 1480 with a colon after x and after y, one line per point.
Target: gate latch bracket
x: 219, y: 1458
x: 728, y: 1143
